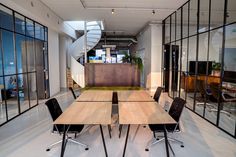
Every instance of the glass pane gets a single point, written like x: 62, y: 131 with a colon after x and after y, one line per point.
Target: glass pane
x: 23, y: 92
x: 213, y: 80
x: 185, y: 20
x: 1, y: 62
x: 46, y: 34
x: 19, y: 23
x: 190, y: 79
x: 11, y: 96
x: 173, y: 27
x: 167, y: 30
x: 30, y: 54
x: 39, y: 47
x: 228, y: 113
x: 217, y: 13
x: 204, y: 15
x: 29, y: 28
x: 3, y: 117
x: 6, y: 18
x: 178, y: 24
x: 231, y: 11
x: 21, y: 53
x: 193, y: 17
x: 8, y: 53
x: 39, y: 31
x: 170, y: 72
x: 184, y: 72
x: 177, y: 68
x: 202, y: 74
x: 32, y: 89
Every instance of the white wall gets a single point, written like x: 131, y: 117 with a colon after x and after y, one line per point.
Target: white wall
x: 64, y: 43
x: 156, y: 56
x: 150, y: 44
x: 144, y: 51
x: 53, y: 55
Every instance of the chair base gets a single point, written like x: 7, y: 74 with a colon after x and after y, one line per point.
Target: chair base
x: 161, y: 138
x: 221, y: 111
x: 68, y: 139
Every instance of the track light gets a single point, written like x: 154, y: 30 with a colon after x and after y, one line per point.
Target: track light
x: 153, y: 12
x: 112, y: 11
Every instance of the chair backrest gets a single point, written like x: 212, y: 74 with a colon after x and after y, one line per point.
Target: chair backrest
x: 201, y: 87
x: 176, y: 108
x: 157, y: 94
x: 215, y: 89
x: 73, y: 93
x: 54, y: 108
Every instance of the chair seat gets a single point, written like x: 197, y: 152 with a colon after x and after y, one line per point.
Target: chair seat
x: 160, y: 127
x: 73, y: 128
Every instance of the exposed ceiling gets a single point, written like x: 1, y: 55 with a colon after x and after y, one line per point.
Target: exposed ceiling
x: 129, y: 18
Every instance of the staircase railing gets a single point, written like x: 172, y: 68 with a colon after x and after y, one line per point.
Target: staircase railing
x: 77, y: 51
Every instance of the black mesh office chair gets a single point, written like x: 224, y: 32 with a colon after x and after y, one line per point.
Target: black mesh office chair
x: 55, y: 111
x: 175, y: 112
x: 73, y: 93
x: 157, y: 94
x: 205, y: 94
x: 221, y: 96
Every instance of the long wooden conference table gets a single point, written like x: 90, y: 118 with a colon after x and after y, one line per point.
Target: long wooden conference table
x: 95, y: 107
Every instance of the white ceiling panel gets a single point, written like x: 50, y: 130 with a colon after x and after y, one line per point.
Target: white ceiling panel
x: 130, y: 15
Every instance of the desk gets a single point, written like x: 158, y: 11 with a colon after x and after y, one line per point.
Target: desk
x: 143, y: 113
x: 134, y: 95
x: 85, y: 113
x: 95, y: 95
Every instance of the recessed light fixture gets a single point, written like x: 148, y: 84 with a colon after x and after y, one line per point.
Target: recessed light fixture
x: 32, y: 4
x: 153, y: 12
x: 112, y: 11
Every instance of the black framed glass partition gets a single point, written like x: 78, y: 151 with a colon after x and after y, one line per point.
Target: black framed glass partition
x: 200, y: 38
x: 23, y: 63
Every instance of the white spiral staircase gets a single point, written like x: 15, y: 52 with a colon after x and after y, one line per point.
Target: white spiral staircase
x: 77, y: 51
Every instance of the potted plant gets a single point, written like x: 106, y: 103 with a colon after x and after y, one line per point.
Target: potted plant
x: 216, y: 68
x: 133, y: 60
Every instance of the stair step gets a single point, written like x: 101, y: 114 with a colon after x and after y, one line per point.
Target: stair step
x: 92, y: 41
x: 93, y: 29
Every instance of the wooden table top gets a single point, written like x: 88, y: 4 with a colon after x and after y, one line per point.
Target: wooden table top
x: 86, y: 113
x: 143, y: 113
x: 95, y: 95
x: 134, y: 95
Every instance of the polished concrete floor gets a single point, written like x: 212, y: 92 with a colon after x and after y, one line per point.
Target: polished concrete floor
x: 30, y: 134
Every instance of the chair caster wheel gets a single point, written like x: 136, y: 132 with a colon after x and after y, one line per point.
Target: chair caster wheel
x: 182, y: 146
x: 86, y: 148
x: 48, y: 150
x: 146, y: 149
x: 144, y: 126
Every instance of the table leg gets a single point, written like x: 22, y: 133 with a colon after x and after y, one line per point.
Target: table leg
x: 63, y: 144
x: 103, y: 140
x: 109, y: 130
x: 166, y: 142
x: 126, y: 140
x: 120, y: 129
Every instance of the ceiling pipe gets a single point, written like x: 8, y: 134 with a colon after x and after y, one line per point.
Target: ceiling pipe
x: 120, y: 39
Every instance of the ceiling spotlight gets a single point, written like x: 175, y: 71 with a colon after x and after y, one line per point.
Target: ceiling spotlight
x: 153, y: 12
x: 112, y: 11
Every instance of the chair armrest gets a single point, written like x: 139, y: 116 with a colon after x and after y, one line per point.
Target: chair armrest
x: 228, y: 99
